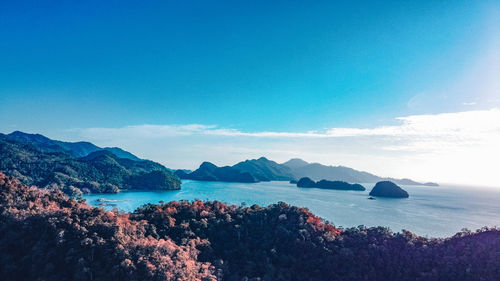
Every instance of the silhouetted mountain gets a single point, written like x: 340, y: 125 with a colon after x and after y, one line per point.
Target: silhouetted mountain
x: 404, y: 181
x: 306, y: 182
x: 99, y: 171
x: 254, y: 170
x: 325, y: 184
x: 388, y: 189
x: 181, y: 174
x: 295, y: 163
x: 265, y: 170
x: 75, y: 149
x: 339, y: 185
x: 210, y: 172
x: 316, y: 171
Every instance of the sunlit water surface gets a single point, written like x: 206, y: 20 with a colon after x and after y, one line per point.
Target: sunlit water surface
x: 430, y: 211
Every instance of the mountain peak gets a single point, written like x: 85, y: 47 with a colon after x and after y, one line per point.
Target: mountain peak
x: 207, y: 166
x: 295, y: 163
x: 28, y: 136
x: 76, y: 149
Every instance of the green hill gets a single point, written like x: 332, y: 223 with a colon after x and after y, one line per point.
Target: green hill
x: 98, y: 172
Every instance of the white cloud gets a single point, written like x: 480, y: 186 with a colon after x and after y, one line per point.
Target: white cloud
x: 460, y: 128
x: 454, y: 147
x: 146, y: 131
x: 469, y: 103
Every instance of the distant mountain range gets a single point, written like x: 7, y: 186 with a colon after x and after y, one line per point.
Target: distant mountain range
x: 254, y: 170
x: 316, y: 171
x: 263, y: 169
x: 79, y: 167
x: 210, y: 172
x: 75, y: 149
x: 266, y: 170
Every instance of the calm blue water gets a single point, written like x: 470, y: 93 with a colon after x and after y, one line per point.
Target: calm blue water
x: 430, y: 211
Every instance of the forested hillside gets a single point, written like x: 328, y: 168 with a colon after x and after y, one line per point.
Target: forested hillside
x: 46, y: 236
x: 100, y: 171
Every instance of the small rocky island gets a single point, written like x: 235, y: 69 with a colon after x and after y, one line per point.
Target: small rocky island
x: 325, y: 184
x: 388, y: 189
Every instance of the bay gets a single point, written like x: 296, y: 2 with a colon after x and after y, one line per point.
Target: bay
x: 430, y: 211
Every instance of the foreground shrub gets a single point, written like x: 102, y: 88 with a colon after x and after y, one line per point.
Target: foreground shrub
x: 46, y: 236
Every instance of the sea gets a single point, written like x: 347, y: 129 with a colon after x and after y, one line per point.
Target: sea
x: 429, y: 211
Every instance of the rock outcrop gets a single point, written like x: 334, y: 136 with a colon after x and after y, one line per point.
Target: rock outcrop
x: 388, y: 189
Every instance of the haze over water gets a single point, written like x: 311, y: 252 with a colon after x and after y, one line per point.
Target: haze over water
x: 430, y: 211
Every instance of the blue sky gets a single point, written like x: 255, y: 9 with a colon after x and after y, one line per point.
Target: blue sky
x: 68, y: 68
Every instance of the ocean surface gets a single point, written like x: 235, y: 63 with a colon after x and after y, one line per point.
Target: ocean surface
x: 430, y: 211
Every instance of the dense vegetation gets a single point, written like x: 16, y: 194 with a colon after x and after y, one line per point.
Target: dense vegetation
x: 100, y: 171
x: 209, y: 172
x: 248, y: 171
x: 75, y: 149
x: 325, y: 184
x: 264, y: 169
x: 388, y: 189
x: 45, y: 236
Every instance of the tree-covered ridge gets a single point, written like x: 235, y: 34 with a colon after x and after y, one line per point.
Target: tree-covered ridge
x: 248, y: 171
x: 75, y: 149
x: 326, y: 184
x: 263, y: 169
x: 101, y: 171
x: 278, y: 242
x: 210, y: 172
x: 46, y: 236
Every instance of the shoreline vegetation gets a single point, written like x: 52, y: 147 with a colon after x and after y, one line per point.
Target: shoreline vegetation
x: 46, y: 235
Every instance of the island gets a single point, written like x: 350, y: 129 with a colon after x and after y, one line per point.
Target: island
x: 306, y: 182
x: 326, y: 184
x: 388, y: 189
